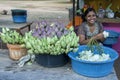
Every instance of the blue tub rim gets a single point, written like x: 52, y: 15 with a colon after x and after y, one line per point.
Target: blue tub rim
x: 18, y: 10
x: 90, y: 62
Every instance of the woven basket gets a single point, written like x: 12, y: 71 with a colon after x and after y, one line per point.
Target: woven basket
x: 16, y: 51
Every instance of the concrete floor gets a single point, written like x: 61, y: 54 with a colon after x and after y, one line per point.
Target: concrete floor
x: 9, y: 70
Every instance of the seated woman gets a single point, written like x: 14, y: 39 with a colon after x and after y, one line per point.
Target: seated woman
x: 90, y: 28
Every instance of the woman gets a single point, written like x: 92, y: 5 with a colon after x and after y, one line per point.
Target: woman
x: 90, y: 28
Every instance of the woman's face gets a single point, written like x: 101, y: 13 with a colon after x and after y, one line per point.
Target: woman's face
x: 91, y: 17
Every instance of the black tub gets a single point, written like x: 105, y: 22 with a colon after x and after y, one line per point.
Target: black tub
x: 51, y: 61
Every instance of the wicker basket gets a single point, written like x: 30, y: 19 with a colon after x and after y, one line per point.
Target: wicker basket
x: 16, y: 51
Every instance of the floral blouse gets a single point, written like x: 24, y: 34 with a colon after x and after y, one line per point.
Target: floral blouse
x: 84, y: 29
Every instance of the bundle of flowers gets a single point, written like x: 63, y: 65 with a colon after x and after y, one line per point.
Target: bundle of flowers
x: 51, y: 38
x: 94, y: 52
x: 11, y: 36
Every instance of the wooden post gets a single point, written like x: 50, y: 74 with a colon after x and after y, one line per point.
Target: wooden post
x: 74, y: 13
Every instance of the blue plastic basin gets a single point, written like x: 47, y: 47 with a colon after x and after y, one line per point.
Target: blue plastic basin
x: 93, y: 69
x: 113, y: 37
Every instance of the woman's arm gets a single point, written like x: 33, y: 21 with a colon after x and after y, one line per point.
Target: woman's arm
x: 81, y: 33
x: 82, y: 39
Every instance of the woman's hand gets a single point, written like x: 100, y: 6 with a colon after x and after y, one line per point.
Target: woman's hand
x: 99, y: 36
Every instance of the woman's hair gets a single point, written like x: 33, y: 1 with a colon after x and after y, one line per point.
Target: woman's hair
x: 86, y: 12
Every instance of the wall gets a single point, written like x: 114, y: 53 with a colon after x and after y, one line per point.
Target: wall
x: 105, y: 3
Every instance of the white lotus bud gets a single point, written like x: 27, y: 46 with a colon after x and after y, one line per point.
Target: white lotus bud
x: 105, y: 34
